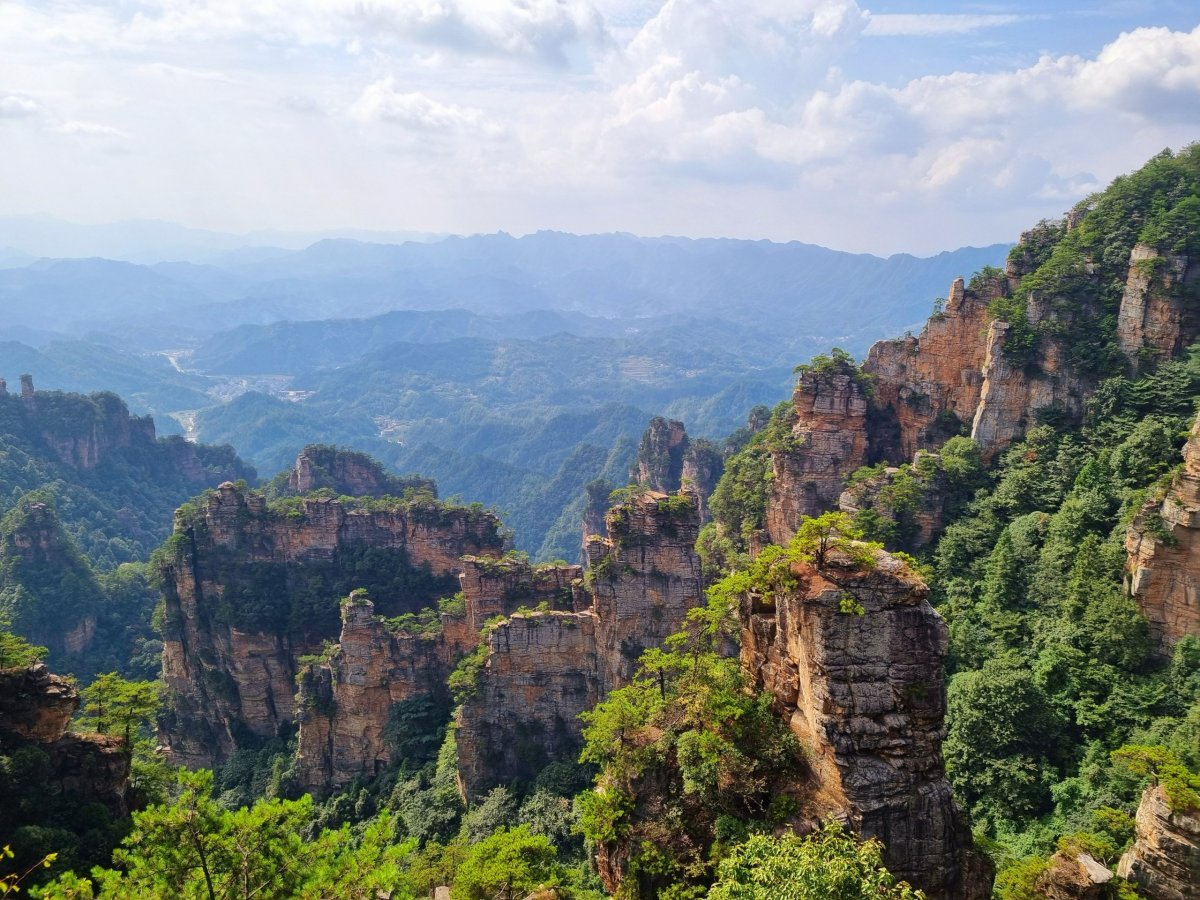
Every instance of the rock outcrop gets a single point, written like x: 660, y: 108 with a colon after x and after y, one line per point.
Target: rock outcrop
x: 828, y: 441
x: 853, y: 658
x: 1074, y: 877
x: 350, y: 473
x: 249, y: 589
x: 35, y: 705
x: 1163, y: 555
x: 35, y: 710
x: 55, y: 596
x: 1164, y: 861
x: 1159, y: 315
x: 84, y: 430
x: 345, y: 702
x: 668, y: 459
x: 927, y: 388
x: 912, y: 498
x: 542, y: 669
x: 659, y: 463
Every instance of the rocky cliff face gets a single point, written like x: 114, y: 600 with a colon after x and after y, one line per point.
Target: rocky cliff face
x: 56, y: 598
x: 1164, y: 862
x: 349, y: 473
x: 889, y: 495
x: 1163, y: 555
x: 928, y: 387
x: 84, y: 430
x: 659, y: 464
x: 1158, y: 316
x: 542, y: 669
x: 668, y: 459
x: 828, y: 442
x: 249, y: 589
x: 35, y: 709
x: 1074, y: 877
x: 346, y: 701
x: 864, y: 693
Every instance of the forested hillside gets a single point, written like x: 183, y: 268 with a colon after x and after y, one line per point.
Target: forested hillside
x: 939, y: 641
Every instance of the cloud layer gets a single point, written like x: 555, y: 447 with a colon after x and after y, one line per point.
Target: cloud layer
x: 686, y: 116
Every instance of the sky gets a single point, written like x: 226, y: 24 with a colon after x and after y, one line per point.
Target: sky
x: 887, y: 126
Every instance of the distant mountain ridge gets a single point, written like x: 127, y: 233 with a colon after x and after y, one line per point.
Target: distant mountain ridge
x: 607, y: 276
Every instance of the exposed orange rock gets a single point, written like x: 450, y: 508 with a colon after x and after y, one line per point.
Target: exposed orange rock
x: 864, y: 694
x: 36, y: 705
x: 828, y: 442
x: 35, y: 709
x: 1164, y: 861
x: 226, y: 680
x: 345, y: 701
x: 1156, y: 319
x: 930, y: 384
x: 1162, y: 549
x: 543, y: 669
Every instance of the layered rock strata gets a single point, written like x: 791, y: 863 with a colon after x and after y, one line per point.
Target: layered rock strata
x: 864, y: 694
x: 350, y: 473
x: 668, y: 459
x: 35, y: 709
x: 345, y: 702
x: 1164, y: 861
x: 828, y: 441
x: 250, y: 589
x: 961, y: 375
x: 1162, y: 548
x: 1077, y: 877
x: 542, y: 669
x: 1158, y: 316
x: 928, y: 387
x: 915, y: 527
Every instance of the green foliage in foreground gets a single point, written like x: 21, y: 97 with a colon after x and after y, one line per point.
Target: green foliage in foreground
x: 691, y: 762
x: 16, y: 652
x: 829, y: 865
x: 1051, y: 664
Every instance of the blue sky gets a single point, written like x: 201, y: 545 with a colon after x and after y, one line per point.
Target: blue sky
x: 881, y: 127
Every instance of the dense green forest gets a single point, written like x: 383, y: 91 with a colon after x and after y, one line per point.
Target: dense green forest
x: 75, y: 538
x: 1060, y: 711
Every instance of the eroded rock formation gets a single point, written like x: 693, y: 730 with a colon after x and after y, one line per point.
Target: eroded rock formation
x: 35, y: 709
x: 543, y: 669
x: 927, y: 388
x: 1074, y: 877
x: 668, y: 459
x: 828, y: 442
x: 659, y: 464
x: 864, y: 694
x: 350, y: 473
x: 347, y: 700
x: 1163, y: 555
x: 1158, y: 316
x: 1164, y: 861
x: 250, y: 589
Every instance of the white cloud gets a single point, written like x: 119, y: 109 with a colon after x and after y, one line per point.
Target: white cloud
x: 90, y: 130
x: 14, y: 106
x: 926, y: 24
x: 991, y: 134
x: 544, y: 31
x: 550, y: 32
x: 414, y: 111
